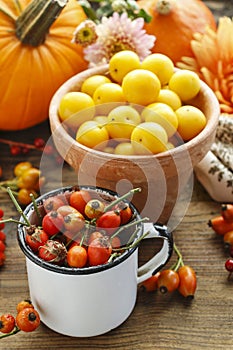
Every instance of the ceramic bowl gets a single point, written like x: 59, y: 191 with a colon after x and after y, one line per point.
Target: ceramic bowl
x: 163, y: 177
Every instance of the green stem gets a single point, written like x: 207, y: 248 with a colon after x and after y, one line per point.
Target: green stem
x: 134, y: 244
x: 118, y: 200
x: 15, y: 330
x: 5, y: 189
x: 113, y: 256
x: 82, y: 239
x: 122, y: 228
x: 179, y: 262
x: 132, y: 236
x: 19, y: 209
x: 13, y: 220
x: 33, y: 24
x: 35, y: 206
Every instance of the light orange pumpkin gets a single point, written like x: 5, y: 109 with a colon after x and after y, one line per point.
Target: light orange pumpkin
x: 36, y: 57
x: 174, y: 22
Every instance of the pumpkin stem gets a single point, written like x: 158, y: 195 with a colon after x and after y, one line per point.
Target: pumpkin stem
x: 34, y: 22
x: 164, y: 7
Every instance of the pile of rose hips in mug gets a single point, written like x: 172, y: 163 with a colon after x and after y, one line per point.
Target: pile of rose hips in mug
x: 82, y: 228
x: 223, y: 226
x: 26, y: 320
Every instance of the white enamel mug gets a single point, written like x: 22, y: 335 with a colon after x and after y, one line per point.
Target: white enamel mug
x: 85, y: 302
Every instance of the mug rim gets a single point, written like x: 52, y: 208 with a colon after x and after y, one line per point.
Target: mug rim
x: 65, y: 269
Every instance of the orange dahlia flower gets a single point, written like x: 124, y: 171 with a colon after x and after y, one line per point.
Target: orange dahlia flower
x: 213, y: 61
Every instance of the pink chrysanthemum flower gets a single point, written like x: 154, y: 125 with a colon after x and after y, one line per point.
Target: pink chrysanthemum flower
x: 118, y: 33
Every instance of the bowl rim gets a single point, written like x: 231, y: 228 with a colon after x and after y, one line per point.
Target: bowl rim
x: 72, y: 270
x: 208, y: 130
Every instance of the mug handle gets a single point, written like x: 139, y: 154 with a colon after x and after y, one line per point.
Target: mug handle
x: 152, y: 266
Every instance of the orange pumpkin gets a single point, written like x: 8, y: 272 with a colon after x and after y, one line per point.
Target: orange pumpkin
x: 37, y: 56
x: 174, y: 22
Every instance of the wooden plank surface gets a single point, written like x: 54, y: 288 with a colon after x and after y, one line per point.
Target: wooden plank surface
x: 158, y: 321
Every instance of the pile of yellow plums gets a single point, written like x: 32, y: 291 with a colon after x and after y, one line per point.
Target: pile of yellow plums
x: 138, y: 107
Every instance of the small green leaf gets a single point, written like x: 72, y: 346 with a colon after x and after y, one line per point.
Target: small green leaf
x: 142, y: 13
x: 87, y: 8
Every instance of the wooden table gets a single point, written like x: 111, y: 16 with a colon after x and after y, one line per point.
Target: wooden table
x: 158, y: 321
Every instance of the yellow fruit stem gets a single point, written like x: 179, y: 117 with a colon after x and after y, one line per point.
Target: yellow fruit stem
x: 164, y: 7
x: 33, y: 23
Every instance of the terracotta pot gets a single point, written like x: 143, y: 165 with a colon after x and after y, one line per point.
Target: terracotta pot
x: 165, y: 178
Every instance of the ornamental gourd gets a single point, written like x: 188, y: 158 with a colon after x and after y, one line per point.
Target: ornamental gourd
x: 37, y: 56
x: 174, y: 22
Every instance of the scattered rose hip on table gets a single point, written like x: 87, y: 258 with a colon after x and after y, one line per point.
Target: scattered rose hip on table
x: 27, y: 319
x: 220, y: 225
x: 151, y: 284
x: 168, y: 281
x: 7, y: 323
x: 227, y: 212
x: 188, y: 283
x: 223, y: 226
x: 24, y: 304
x: 179, y: 277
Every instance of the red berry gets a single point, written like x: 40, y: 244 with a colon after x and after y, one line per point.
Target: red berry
x: 2, y: 246
x: 1, y: 213
x: 229, y: 265
x: 2, y: 236
x: 39, y: 142
x: 2, y: 258
x: 15, y: 150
